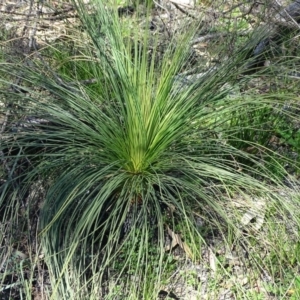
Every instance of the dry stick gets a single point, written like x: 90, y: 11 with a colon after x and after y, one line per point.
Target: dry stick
x: 204, y: 38
x: 161, y: 7
x: 57, y: 15
x: 182, y: 4
x: 183, y: 11
x: 27, y: 17
x: 59, y: 12
x: 61, y: 17
x: 169, y: 14
x: 242, y: 15
x: 234, y: 7
x: 32, y: 33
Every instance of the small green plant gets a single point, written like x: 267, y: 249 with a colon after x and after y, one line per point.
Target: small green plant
x: 290, y: 136
x: 295, y: 292
x: 254, y: 296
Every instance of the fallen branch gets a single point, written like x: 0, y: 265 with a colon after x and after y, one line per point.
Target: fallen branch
x: 34, y: 15
x: 183, y: 10
x: 207, y: 37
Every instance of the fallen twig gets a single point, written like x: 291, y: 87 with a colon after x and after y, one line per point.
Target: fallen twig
x: 204, y: 38
x: 34, y: 15
x: 183, y: 10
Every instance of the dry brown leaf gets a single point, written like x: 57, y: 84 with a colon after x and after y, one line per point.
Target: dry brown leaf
x: 256, y: 213
x: 176, y: 240
x: 212, y: 261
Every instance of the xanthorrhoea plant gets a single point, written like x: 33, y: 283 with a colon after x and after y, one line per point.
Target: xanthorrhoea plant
x: 136, y: 147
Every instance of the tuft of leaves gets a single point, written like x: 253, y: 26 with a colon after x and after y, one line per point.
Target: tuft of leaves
x: 136, y: 152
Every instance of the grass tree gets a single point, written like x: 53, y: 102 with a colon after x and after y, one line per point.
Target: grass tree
x: 134, y: 153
